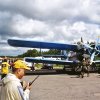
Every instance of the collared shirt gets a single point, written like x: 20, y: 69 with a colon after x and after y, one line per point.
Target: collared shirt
x: 12, y: 89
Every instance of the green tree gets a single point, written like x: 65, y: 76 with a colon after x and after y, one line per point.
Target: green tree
x: 52, y: 52
x: 35, y: 53
x: 30, y: 53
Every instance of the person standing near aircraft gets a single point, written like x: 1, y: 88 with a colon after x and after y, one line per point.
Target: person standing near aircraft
x: 85, y: 67
x: 11, y: 85
x: 85, y: 62
x: 4, y: 68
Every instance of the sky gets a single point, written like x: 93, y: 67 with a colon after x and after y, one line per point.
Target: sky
x: 60, y: 21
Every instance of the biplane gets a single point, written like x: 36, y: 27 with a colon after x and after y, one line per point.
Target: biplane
x: 81, y: 49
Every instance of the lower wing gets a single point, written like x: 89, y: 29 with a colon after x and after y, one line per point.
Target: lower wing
x: 96, y: 61
x: 62, y: 62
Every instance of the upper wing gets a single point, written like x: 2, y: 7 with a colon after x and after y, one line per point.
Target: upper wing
x: 43, y: 45
x: 62, y: 62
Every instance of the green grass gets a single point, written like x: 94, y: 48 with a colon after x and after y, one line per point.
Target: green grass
x: 38, y: 66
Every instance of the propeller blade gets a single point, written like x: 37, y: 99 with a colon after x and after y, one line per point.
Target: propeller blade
x: 88, y: 46
x: 92, y: 56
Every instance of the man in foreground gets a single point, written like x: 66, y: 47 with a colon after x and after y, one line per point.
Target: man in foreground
x: 11, y: 86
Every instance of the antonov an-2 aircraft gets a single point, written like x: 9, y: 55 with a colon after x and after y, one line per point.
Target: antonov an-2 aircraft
x: 80, y: 48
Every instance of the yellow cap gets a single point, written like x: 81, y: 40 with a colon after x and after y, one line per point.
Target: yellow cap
x: 21, y: 64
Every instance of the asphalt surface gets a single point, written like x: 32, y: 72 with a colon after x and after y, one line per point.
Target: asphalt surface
x: 64, y: 87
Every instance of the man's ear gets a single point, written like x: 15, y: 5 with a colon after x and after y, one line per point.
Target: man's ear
x: 18, y: 70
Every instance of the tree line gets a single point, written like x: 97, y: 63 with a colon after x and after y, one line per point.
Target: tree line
x: 35, y: 53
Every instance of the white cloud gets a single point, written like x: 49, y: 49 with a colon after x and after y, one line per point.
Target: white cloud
x: 22, y: 25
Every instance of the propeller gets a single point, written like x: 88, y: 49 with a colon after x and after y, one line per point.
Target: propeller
x: 81, y: 45
x: 95, y: 50
x: 92, y: 49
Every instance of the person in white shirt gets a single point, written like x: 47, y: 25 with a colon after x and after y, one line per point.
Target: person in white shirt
x: 11, y: 85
